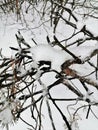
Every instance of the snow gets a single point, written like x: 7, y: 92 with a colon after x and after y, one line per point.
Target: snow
x: 6, y: 116
x: 57, y: 57
x: 38, y: 74
x: 48, y: 53
x: 22, y: 71
x: 7, y: 108
x: 80, y: 25
x: 84, y: 52
x: 92, y: 25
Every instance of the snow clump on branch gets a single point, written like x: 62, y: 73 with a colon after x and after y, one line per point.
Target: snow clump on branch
x: 44, y: 52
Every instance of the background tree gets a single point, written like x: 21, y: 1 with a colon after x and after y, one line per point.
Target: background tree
x: 31, y: 77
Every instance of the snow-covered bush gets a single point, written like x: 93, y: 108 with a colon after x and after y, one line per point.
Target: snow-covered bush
x: 53, y: 83
x: 23, y: 76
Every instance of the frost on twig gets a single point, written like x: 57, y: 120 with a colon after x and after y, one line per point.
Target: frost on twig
x: 73, y: 124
